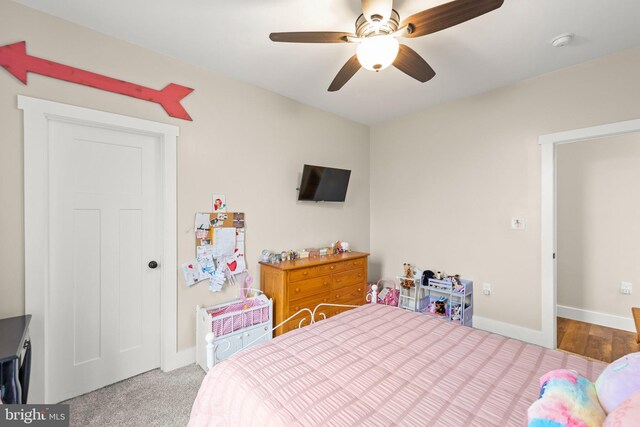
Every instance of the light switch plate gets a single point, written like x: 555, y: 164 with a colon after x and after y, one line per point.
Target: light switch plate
x: 518, y: 223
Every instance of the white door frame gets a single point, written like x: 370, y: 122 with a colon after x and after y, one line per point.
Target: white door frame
x: 38, y: 114
x: 548, y: 219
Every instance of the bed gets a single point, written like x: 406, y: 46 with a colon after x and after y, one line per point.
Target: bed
x: 377, y: 365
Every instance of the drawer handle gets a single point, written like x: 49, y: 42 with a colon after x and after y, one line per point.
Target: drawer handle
x: 325, y: 283
x: 304, y: 273
x: 338, y: 280
x: 359, y: 274
x: 337, y: 296
x: 297, y: 289
x: 355, y: 263
x: 332, y: 267
x: 359, y: 289
x: 297, y: 309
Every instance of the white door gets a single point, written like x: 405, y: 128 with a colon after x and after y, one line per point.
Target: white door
x: 104, y: 299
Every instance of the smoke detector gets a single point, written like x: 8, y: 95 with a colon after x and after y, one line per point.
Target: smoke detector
x: 562, y: 40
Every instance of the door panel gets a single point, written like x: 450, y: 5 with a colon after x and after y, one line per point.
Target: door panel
x: 104, y: 302
x: 130, y: 279
x: 86, y: 298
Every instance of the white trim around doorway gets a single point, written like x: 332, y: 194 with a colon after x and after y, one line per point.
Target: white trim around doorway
x: 38, y: 114
x: 548, y: 218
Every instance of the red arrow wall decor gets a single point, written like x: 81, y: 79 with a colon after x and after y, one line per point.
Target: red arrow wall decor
x: 14, y: 58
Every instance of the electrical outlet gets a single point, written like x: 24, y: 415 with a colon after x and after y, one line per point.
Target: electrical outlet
x: 626, y: 288
x: 486, y: 288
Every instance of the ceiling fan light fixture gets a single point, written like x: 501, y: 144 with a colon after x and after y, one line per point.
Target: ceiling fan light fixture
x: 377, y: 52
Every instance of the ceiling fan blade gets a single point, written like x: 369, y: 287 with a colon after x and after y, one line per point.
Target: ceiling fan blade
x: 346, y: 72
x: 447, y: 15
x: 413, y: 65
x: 312, y: 37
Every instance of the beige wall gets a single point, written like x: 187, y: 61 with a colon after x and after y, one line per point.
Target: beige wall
x: 244, y: 142
x: 598, y: 223
x: 445, y: 182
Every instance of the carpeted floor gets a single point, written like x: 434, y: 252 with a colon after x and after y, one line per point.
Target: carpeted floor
x: 154, y: 398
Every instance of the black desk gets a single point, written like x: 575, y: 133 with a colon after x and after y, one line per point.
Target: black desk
x: 14, y: 376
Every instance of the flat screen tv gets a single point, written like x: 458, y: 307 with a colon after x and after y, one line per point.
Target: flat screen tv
x: 322, y: 184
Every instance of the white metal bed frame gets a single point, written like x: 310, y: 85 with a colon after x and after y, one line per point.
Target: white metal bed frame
x: 209, y: 338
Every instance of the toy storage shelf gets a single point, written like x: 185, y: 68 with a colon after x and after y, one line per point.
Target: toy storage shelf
x: 409, y: 298
x: 458, y: 300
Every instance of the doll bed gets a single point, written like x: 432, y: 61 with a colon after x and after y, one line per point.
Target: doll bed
x: 378, y: 365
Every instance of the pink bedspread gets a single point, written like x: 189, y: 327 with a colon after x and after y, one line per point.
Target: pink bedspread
x: 380, y: 366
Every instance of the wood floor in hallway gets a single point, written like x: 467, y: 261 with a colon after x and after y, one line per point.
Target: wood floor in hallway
x: 595, y: 341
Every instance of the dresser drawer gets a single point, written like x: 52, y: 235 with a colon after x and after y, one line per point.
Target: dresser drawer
x: 347, y: 278
x: 349, y: 295
x: 308, y: 287
x: 305, y: 273
x: 310, y: 303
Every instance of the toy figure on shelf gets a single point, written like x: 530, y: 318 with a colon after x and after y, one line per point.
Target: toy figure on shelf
x: 408, y: 281
x: 441, y: 308
x: 456, y: 312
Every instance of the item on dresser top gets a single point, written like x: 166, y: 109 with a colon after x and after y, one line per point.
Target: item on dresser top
x: 313, y: 252
x: 303, y: 254
x: 265, y: 256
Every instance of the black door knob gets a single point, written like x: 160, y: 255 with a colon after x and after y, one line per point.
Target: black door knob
x: 153, y: 264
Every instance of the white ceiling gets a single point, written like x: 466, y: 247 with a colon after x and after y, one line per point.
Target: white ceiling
x: 231, y: 37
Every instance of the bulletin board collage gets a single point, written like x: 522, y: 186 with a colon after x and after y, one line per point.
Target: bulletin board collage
x: 219, y: 246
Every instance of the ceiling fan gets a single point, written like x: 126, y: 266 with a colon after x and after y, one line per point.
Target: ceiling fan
x: 377, y: 32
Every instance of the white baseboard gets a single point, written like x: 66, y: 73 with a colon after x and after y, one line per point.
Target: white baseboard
x: 521, y: 333
x: 180, y: 359
x: 602, y: 319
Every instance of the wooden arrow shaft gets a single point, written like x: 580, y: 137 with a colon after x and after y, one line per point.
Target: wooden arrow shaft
x: 15, y: 59
x: 87, y: 78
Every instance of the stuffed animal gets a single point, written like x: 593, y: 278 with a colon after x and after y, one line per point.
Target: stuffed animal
x: 455, y: 280
x: 566, y: 399
x: 408, y: 282
x: 626, y: 414
x: 619, y: 381
x: 441, y: 309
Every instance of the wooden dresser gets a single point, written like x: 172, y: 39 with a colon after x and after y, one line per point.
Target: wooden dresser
x: 305, y: 283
